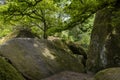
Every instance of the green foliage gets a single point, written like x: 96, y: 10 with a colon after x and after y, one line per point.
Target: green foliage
x: 80, y: 10
x: 80, y: 33
x: 46, y: 17
x: 5, y: 29
x: 116, y: 18
x: 35, y: 13
x: 4, y: 32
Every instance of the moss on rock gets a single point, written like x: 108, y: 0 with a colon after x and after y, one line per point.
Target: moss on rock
x: 108, y: 74
x: 8, y: 72
x: 37, y: 59
x: 78, y: 51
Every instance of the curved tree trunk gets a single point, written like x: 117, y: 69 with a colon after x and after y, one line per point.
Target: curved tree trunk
x: 104, y: 49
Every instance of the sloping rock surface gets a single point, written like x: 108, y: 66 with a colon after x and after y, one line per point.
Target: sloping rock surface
x: 108, y: 74
x: 8, y: 72
x: 68, y: 75
x: 37, y: 59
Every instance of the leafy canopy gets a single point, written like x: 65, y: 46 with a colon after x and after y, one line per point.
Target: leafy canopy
x: 51, y: 16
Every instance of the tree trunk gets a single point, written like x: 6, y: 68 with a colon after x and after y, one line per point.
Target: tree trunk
x: 104, y: 49
x: 45, y: 36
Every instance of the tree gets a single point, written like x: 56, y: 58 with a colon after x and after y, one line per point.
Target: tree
x: 80, y: 10
x: 41, y: 13
x: 104, y: 46
x: 51, y: 15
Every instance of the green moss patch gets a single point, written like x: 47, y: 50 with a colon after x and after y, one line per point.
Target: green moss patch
x: 108, y: 74
x: 8, y: 72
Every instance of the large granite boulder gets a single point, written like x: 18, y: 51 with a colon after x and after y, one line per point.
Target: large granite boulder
x: 108, y: 74
x: 37, y: 59
x: 8, y: 72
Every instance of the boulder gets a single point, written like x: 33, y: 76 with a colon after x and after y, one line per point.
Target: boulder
x: 60, y: 44
x: 8, y: 72
x: 20, y: 33
x: 78, y: 50
x: 68, y: 75
x: 37, y: 59
x: 108, y: 74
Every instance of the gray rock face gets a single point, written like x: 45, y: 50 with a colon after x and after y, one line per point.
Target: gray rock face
x: 37, y: 59
x: 68, y: 75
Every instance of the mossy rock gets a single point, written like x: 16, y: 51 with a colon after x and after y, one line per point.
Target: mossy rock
x: 78, y: 50
x: 37, y: 59
x: 108, y: 74
x: 8, y: 72
x: 61, y: 45
x: 20, y: 33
